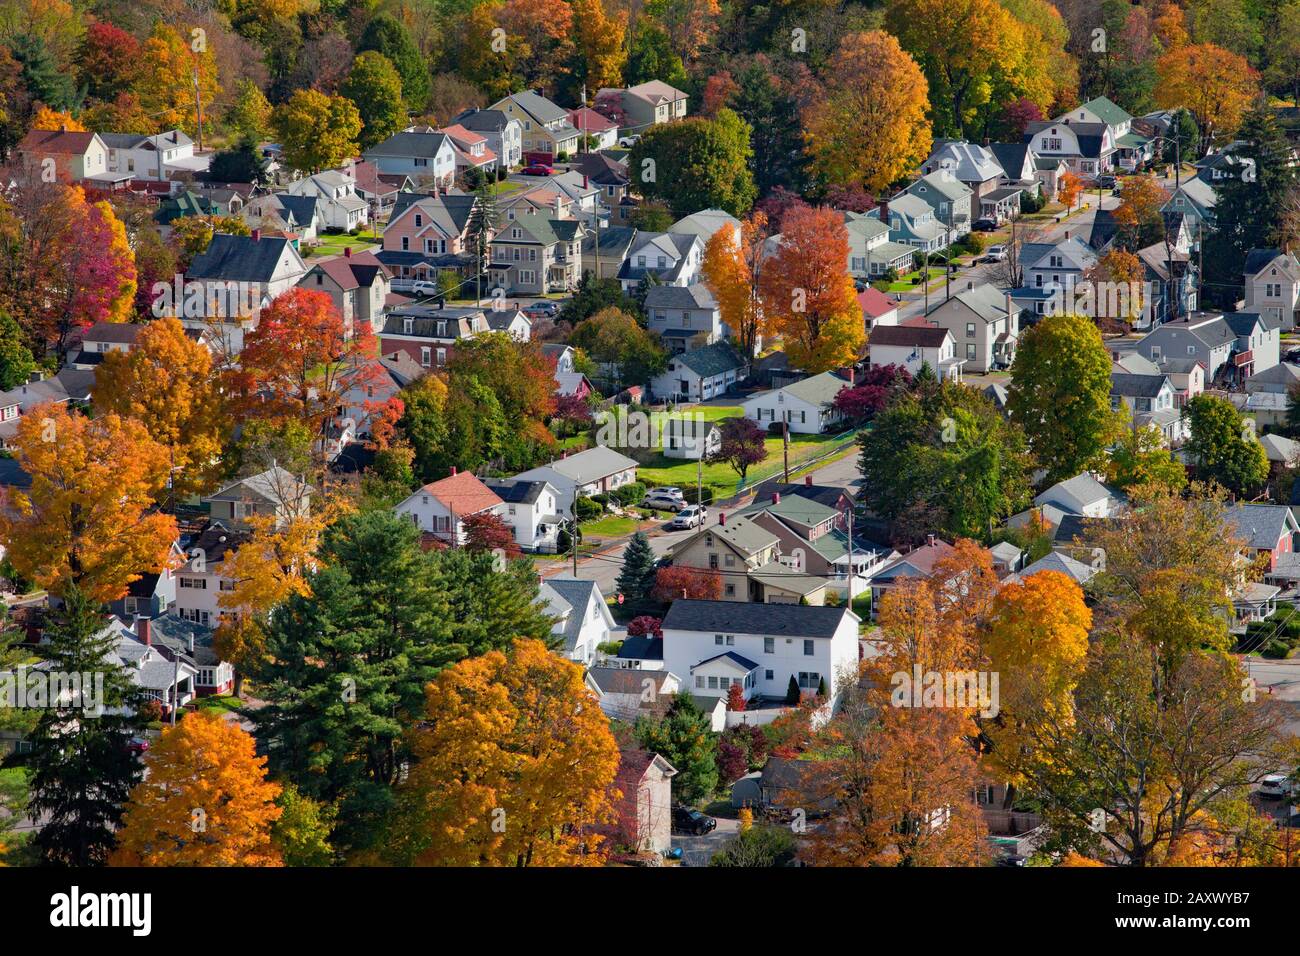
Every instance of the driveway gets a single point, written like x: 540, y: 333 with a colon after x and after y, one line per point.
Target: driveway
x: 698, y: 850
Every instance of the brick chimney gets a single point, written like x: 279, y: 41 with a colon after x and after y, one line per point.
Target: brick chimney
x: 849, y: 373
x: 969, y: 285
x: 929, y: 540
x: 1067, y: 234
x: 722, y: 517
x: 453, y: 469
x: 257, y: 235
x: 142, y: 630
x: 347, y: 252
x: 776, y: 497
x: 807, y: 480
x: 884, y: 211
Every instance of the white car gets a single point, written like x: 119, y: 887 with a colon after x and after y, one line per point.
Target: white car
x: 424, y: 287
x: 692, y: 516
x: 627, y: 142
x: 1275, y: 786
x: 996, y: 253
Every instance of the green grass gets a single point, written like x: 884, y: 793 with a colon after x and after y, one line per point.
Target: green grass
x: 333, y: 245
x: 610, y: 526
x: 712, y: 413
x: 226, y: 702
x: 721, y: 477
x: 507, y: 186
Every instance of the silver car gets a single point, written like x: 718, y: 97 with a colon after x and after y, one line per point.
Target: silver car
x: 692, y: 516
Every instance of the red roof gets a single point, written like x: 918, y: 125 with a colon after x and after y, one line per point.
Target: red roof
x: 56, y: 141
x: 462, y: 494
x: 586, y: 120
x: 875, y: 303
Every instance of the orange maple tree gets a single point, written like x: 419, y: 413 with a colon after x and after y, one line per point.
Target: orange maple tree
x: 731, y: 268
x: 205, y: 802
x: 88, y: 517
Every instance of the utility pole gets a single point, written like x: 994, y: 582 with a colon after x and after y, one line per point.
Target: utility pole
x: 785, y: 444
x: 573, y: 508
x: 582, y: 124
x: 699, y: 481
x: 850, y: 601
x: 198, y: 105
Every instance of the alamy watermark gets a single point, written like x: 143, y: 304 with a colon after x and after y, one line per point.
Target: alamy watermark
x: 963, y: 690
x: 32, y: 688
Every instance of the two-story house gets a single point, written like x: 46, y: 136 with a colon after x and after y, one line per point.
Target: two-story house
x: 154, y: 158
x: 275, y: 491
x: 428, y: 157
x: 673, y: 259
x: 536, y: 254
x: 699, y: 374
x: 712, y: 645
x: 582, y: 618
x: 985, y: 326
x: 102, y: 338
x: 531, y: 508
x: 357, y: 282
x: 911, y: 222
x: 428, y: 334
x: 1132, y: 147
x: 1196, y: 200
x: 734, y: 548
x: 199, y: 580
x: 281, y: 212
x: 974, y: 166
x: 425, y: 236
x: 913, y: 347
x: 684, y: 317
x: 504, y: 133
x: 547, y: 132
x: 1088, y: 148
x: 871, y: 253
x: 647, y: 104
x: 440, y: 508
x: 1273, y: 285
x: 948, y: 197
x: 237, y: 277
x: 471, y: 149
x: 1150, y: 400
x: 337, y: 203
x: 70, y: 157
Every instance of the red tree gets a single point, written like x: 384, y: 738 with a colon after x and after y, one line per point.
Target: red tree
x: 645, y: 625
x: 735, y: 698
x: 693, y: 584
x: 488, y: 531
x: 870, y: 395
x: 851, y: 197
x: 743, y: 444
x: 108, y: 61
x: 731, y: 761
x: 1018, y: 115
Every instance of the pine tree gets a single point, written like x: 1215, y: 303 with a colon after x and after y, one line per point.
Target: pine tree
x: 637, y: 579
x: 792, y: 692
x: 484, y: 218
x: 82, y: 768
x: 45, y: 81
x: 684, y: 738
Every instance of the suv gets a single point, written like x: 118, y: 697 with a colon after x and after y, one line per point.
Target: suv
x: 984, y: 225
x: 424, y: 287
x: 542, y: 310
x: 686, y: 820
x: 692, y: 516
x: 1107, y: 182
x: 995, y: 254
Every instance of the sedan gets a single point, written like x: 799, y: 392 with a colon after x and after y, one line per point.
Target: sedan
x: 663, y: 501
x: 537, y: 169
x: 686, y: 820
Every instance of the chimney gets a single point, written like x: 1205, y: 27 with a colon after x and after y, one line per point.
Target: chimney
x: 722, y: 518
x: 142, y: 630
x: 347, y: 252
x: 969, y: 285
x: 986, y: 142
x: 849, y: 373
x: 776, y: 497
x: 453, y: 469
x: 884, y: 211
x: 1067, y: 234
x: 584, y: 180
x: 559, y: 211
x: 807, y: 480
x: 929, y: 540
x: 257, y: 235
x: 63, y: 127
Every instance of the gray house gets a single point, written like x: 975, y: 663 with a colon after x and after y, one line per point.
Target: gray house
x: 984, y: 324
x: 948, y: 197
x: 503, y: 133
x: 700, y: 374
x: 684, y: 316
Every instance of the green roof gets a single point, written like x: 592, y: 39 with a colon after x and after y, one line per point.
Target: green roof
x: 795, y: 508
x: 711, y: 360
x: 1106, y: 111
x: 539, y: 227
x: 1132, y: 140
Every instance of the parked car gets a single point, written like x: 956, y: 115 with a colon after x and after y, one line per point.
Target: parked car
x: 662, y: 500
x: 984, y: 225
x: 686, y: 820
x: 424, y: 287
x: 537, y: 169
x: 1275, y: 786
x: 692, y: 516
x: 1106, y: 182
x: 138, y: 745
x: 995, y: 254
x: 627, y: 142
x: 542, y: 310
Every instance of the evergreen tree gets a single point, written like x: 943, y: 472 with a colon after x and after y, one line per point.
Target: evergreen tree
x: 683, y: 738
x: 238, y: 165
x: 16, y: 362
x: 483, y: 221
x: 1251, y: 202
x: 82, y: 767
x: 45, y: 81
x: 384, y: 34
x: 792, y: 692
x: 637, y: 578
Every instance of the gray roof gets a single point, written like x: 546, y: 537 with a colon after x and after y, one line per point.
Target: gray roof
x: 483, y: 121
x: 732, y: 657
x: 816, y: 389
x: 987, y: 301
x: 238, y: 258
x: 567, y: 597
x: 538, y: 107
x: 1062, y: 563
x: 1081, y: 490
x: 1132, y: 385
x: 793, y: 620
x: 423, y: 145
x: 625, y: 680
x: 711, y: 360
x: 642, y: 649
x: 516, y: 490
x: 740, y: 532
x: 695, y: 296
x: 1260, y: 525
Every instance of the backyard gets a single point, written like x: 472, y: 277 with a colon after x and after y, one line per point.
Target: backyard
x: 334, y: 244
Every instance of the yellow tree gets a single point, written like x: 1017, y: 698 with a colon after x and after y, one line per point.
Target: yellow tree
x: 165, y: 87
x: 731, y: 269
x: 807, y: 293
x: 87, y: 517
x: 600, y: 43
x: 1069, y: 189
x: 515, y: 766
x: 1115, y: 286
x: 318, y: 131
x: 205, y: 802
x: 167, y: 383
x: 47, y: 118
x: 1216, y: 85
x: 871, y: 126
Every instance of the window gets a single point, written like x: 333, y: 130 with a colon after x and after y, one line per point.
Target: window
x: 731, y: 590
x: 809, y: 679
x: 970, y: 330
x: 713, y: 683
x: 808, y: 648
x: 769, y: 675
x: 442, y: 356
x: 713, y: 562
x: 970, y: 351
x: 769, y: 645
x: 419, y: 221
x: 717, y: 639
x: 406, y: 243
x: 699, y: 682
x: 426, y: 356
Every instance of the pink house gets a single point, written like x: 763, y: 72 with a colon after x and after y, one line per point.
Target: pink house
x: 426, y: 235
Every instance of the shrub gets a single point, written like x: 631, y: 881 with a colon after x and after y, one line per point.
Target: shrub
x: 588, y: 509
x: 630, y: 494
x: 1277, y: 650
x: 792, y: 691
x: 974, y: 243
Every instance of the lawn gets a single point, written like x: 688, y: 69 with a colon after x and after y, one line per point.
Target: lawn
x: 333, y: 245
x: 610, y: 526
x: 721, y: 477
x: 227, y: 702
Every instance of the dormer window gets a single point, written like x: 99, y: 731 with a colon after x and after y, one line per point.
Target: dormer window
x: 408, y: 326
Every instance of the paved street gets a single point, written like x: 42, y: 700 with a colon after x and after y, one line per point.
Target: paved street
x: 698, y: 850
x: 1279, y: 680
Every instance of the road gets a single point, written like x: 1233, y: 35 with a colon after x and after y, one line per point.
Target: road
x: 603, y: 567
x: 699, y: 850
x: 1280, y: 680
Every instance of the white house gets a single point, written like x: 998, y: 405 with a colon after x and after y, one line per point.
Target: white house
x: 587, y: 473
x: 691, y: 438
x: 1081, y: 495
x: 684, y: 317
x: 275, y: 491
x: 199, y: 581
x: 1273, y: 285
x: 155, y: 158
x: 627, y: 694
x: 871, y: 253
x: 531, y: 508
x: 672, y: 258
x: 805, y: 404
x: 441, y: 507
x: 582, y: 618
x: 699, y: 374
x: 914, y: 346
x: 337, y: 204
x: 427, y: 156
x: 713, y: 644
